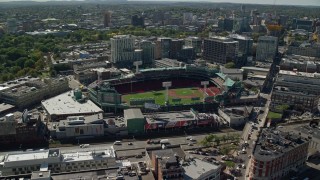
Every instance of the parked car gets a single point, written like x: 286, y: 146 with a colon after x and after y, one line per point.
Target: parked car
x: 132, y: 173
x: 84, y: 145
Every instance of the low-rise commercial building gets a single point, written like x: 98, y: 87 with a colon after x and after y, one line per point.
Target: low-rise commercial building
x: 33, y: 92
x: 176, y: 120
x: 232, y: 73
x: 296, y: 88
x: 236, y: 116
x: 88, y: 76
x: 172, y: 163
x: 71, y: 103
x: 78, y: 127
x: 56, y: 162
x: 197, y: 169
x: 276, y: 154
x: 24, y: 131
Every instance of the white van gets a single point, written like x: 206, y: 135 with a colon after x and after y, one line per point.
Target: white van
x: 117, y: 143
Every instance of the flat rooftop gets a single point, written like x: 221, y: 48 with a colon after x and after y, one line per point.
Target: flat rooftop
x: 25, y: 156
x: 172, y: 116
x: 16, y: 82
x: 194, y: 169
x: 22, y: 90
x: 296, y: 73
x: 5, y: 107
x: 133, y: 114
x: 88, y: 155
x: 65, y: 104
x: 273, y: 143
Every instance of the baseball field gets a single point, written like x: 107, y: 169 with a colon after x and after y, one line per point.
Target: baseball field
x: 176, y: 96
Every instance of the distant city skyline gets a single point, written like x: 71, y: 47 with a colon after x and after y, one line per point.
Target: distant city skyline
x: 277, y: 2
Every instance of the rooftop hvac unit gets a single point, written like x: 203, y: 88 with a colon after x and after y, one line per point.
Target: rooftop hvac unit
x: 9, y: 117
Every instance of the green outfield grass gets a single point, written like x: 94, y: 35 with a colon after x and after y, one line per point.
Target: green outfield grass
x: 159, y: 96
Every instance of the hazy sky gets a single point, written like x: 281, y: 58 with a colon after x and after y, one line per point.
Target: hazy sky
x: 286, y: 2
x: 277, y: 2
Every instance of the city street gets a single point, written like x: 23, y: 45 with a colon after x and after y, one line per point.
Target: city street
x: 253, y: 129
x: 136, y: 144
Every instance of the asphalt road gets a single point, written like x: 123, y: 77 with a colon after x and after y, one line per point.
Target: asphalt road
x: 137, y: 144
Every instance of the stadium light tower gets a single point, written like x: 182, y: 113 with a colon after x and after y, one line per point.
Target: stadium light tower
x: 205, y: 84
x: 137, y: 64
x: 167, y: 85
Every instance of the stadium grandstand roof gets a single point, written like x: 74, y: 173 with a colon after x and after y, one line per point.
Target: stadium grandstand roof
x: 228, y: 82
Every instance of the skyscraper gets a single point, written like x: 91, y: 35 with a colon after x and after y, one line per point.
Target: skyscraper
x: 245, y: 48
x: 267, y: 48
x: 148, y: 50
x: 220, y: 50
x: 165, y: 44
x: 175, y: 48
x: 107, y: 19
x: 122, y: 49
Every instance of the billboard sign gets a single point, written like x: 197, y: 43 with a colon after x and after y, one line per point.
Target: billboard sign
x: 166, y: 84
x: 151, y: 106
x: 204, y: 83
x: 171, y: 124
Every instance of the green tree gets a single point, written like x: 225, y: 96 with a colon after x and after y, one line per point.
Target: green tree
x: 230, y: 65
x: 29, y: 63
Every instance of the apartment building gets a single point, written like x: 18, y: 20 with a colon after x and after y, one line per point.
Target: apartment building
x: 122, y: 48
x: 276, y: 154
x: 220, y: 50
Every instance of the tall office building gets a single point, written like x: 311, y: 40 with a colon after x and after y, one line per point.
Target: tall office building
x: 122, y: 49
x: 137, y: 20
x: 245, y: 48
x: 165, y: 44
x: 107, y: 19
x: 175, y: 48
x: 148, y: 52
x: 220, y: 50
x: 267, y: 48
x: 194, y: 42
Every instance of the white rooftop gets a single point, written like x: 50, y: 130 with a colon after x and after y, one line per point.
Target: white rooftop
x: 197, y: 167
x: 296, y: 73
x: 66, y: 104
x: 88, y: 155
x: 28, y: 156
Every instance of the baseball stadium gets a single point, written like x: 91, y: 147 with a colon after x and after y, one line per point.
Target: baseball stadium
x: 186, y: 86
